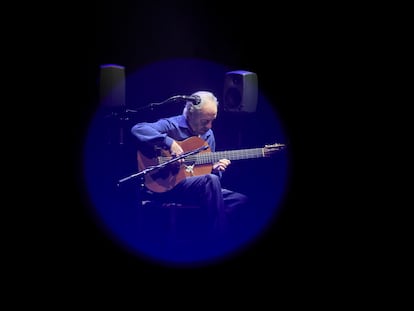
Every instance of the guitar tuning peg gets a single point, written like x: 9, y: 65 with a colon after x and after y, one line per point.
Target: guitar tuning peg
x: 275, y: 145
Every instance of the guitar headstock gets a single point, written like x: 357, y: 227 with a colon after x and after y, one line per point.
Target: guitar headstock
x: 269, y: 150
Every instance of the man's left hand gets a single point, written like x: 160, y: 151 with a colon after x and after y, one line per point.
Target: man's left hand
x: 221, y: 165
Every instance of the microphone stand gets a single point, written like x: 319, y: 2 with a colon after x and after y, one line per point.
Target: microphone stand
x: 120, y: 116
x: 152, y: 105
x: 116, y: 120
x: 161, y: 165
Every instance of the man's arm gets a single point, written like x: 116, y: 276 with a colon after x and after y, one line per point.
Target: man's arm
x: 154, y: 134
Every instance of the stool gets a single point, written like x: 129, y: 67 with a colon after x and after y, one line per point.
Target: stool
x: 178, y: 222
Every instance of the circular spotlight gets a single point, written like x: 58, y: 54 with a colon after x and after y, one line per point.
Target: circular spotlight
x: 116, y: 208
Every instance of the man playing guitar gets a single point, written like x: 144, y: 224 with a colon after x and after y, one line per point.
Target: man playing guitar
x: 167, y: 135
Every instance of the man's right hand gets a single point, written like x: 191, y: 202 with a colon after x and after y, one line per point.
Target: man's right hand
x: 176, y: 149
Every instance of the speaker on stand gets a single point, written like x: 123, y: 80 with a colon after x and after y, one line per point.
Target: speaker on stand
x: 240, y: 91
x: 112, y: 100
x: 118, y: 157
x: 240, y: 98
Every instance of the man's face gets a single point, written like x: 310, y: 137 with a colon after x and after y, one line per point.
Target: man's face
x: 202, y: 120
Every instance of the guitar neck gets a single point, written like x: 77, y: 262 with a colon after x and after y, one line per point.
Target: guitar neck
x: 212, y: 157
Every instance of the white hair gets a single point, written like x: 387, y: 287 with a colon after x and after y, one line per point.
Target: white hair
x: 205, y: 96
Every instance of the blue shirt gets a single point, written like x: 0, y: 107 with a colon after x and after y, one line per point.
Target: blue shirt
x: 162, y: 132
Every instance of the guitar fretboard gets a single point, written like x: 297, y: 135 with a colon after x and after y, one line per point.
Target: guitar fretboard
x: 212, y: 157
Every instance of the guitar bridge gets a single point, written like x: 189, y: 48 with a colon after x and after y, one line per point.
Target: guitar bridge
x: 189, y: 169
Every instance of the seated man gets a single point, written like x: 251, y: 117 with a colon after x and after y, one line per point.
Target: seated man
x: 220, y: 207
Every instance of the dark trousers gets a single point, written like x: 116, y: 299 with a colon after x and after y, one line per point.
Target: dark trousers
x: 219, y: 207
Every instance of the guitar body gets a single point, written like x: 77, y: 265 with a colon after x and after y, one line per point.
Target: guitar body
x: 166, y: 178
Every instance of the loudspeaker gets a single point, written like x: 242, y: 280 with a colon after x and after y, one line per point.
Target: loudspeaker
x: 112, y: 86
x: 240, y: 91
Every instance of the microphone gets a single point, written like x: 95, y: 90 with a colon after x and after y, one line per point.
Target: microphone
x: 195, y: 99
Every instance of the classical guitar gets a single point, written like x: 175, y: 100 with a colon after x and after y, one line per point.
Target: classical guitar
x: 200, y: 163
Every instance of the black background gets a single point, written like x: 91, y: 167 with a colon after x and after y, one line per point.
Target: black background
x: 297, y: 52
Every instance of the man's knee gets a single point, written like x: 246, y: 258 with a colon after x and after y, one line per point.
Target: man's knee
x: 213, y: 182
x: 212, y: 178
